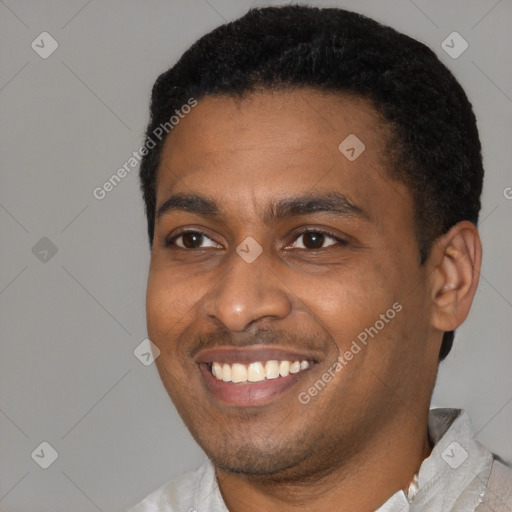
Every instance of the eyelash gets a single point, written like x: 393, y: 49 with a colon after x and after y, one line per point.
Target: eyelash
x: 169, y: 243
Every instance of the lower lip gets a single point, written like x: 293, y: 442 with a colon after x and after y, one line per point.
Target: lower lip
x: 249, y: 393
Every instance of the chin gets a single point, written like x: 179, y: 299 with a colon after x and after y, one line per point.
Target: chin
x: 254, y: 455
x: 255, y: 463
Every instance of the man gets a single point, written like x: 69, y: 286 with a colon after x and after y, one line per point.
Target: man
x: 312, y: 185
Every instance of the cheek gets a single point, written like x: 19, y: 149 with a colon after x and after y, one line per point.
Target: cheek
x: 350, y: 300
x: 168, y: 300
x: 161, y: 308
x: 165, y: 310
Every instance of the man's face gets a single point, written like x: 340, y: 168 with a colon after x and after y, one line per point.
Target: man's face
x: 338, y: 250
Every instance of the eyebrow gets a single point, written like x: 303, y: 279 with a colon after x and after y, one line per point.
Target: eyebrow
x: 332, y: 202
x: 189, y: 203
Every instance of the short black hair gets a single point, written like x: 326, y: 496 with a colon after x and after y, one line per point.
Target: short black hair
x: 435, y: 145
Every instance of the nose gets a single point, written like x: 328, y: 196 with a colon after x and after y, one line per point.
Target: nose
x: 247, y: 293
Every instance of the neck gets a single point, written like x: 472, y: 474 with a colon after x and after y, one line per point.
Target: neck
x: 368, y: 479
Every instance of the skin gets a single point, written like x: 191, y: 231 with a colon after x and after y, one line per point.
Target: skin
x: 364, y: 436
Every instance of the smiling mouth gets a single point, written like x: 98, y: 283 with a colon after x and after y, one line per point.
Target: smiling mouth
x: 257, y: 371
x: 253, y: 375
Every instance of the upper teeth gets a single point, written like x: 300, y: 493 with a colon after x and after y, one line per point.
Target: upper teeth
x: 257, y: 371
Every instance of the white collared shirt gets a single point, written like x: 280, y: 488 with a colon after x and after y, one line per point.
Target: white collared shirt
x: 453, y: 478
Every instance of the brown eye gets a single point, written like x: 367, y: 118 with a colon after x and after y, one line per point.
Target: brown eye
x: 314, y: 240
x: 192, y: 240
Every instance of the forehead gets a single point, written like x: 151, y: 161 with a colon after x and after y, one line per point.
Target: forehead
x: 277, y: 143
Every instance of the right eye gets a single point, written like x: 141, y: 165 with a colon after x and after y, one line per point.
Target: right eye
x: 191, y: 240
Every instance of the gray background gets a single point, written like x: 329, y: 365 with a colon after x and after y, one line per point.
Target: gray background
x: 70, y: 324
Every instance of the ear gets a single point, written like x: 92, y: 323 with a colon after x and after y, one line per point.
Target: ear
x: 458, y: 257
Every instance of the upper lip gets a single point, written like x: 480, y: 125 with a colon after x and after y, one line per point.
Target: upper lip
x: 250, y: 354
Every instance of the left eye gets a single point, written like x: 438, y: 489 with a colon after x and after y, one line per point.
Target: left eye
x: 314, y: 240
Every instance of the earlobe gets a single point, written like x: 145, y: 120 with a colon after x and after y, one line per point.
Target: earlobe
x: 455, y: 277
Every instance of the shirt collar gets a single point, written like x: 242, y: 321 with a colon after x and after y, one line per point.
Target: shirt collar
x: 453, y: 477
